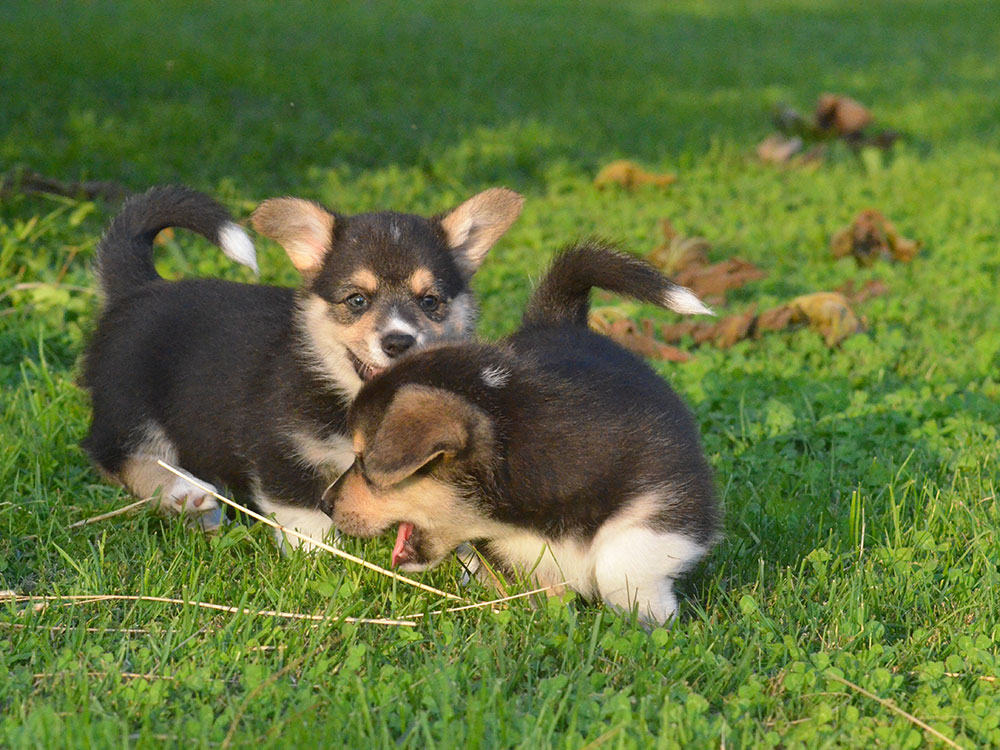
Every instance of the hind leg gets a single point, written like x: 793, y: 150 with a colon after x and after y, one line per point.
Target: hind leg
x: 174, y: 495
x: 636, y: 567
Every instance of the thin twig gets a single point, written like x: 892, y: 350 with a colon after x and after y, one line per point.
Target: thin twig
x: 304, y: 537
x: 73, y: 599
x: 983, y: 677
x: 66, y: 629
x: 893, y: 707
x: 110, y: 514
x: 480, y: 605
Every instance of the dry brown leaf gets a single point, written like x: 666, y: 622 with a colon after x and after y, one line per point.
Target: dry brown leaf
x: 638, y: 339
x: 712, y: 282
x: 677, y: 331
x: 775, y: 319
x: 734, y: 328
x: 779, y: 149
x: 903, y: 249
x: 630, y: 175
x: 830, y: 314
x: 872, y: 236
x: 827, y: 312
x: 871, y: 288
x: 678, y: 253
x: 841, y: 115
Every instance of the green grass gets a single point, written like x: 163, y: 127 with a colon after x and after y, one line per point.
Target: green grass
x: 860, y: 484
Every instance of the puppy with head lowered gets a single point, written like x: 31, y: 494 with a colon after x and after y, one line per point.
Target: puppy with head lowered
x: 249, y: 385
x: 561, y: 455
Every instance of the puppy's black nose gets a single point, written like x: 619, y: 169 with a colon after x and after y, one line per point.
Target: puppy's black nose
x: 394, y: 344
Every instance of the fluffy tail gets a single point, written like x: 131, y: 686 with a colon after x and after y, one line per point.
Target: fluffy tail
x: 563, y: 296
x: 125, y: 253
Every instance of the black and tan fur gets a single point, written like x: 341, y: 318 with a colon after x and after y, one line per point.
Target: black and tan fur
x: 558, y: 453
x: 248, y: 385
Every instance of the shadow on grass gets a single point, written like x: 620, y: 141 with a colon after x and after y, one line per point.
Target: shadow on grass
x: 263, y: 93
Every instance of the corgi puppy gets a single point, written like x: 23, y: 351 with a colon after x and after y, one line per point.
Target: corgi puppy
x: 248, y: 385
x: 559, y: 454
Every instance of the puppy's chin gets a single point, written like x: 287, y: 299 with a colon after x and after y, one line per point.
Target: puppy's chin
x: 365, y: 370
x: 414, y: 551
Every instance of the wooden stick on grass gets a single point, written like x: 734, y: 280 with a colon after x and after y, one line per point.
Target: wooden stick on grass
x: 321, y: 545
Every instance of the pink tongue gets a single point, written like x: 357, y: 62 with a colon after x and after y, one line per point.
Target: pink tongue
x: 402, y: 536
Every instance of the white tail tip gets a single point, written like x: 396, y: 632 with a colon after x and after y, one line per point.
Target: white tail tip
x: 683, y: 300
x: 236, y: 244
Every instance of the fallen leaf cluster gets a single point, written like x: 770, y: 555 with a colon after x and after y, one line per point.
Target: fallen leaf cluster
x: 638, y: 337
x: 870, y: 237
x: 686, y: 260
x: 831, y: 314
x: 630, y: 175
x: 828, y: 313
x: 835, y: 117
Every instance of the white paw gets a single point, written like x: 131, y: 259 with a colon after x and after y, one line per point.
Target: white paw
x: 309, y: 522
x: 192, y: 498
x: 469, y: 561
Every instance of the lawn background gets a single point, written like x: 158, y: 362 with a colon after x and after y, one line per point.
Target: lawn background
x: 860, y: 483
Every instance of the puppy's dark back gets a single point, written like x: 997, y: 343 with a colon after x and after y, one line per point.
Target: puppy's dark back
x: 581, y: 425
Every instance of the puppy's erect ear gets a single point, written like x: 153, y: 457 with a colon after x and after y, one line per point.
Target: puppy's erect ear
x: 474, y: 226
x: 421, y: 424
x: 303, y: 228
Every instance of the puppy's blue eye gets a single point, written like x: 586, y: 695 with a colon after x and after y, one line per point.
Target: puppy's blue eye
x: 357, y: 302
x: 430, y: 303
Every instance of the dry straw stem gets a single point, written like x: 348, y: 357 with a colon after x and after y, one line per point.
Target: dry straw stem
x: 42, y: 601
x: 492, y: 602
x: 296, y: 534
x: 110, y: 514
x: 893, y: 707
x: 65, y: 629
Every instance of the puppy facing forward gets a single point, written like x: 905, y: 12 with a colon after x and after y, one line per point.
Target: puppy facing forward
x: 561, y: 455
x: 249, y: 385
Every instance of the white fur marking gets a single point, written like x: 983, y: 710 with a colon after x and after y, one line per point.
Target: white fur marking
x: 308, y: 521
x: 495, y: 376
x: 394, y: 231
x: 683, y: 300
x: 627, y: 563
x: 638, y: 566
x: 236, y: 244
